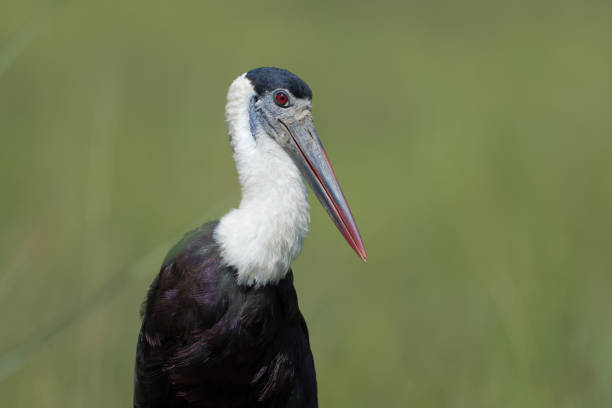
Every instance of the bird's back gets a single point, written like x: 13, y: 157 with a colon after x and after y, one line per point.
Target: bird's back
x: 206, y: 341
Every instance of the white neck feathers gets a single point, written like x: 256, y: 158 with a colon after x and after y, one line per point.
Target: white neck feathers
x: 264, y: 234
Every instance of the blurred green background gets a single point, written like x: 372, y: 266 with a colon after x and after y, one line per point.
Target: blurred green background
x: 473, y: 141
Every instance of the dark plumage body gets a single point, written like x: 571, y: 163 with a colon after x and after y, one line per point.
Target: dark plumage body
x: 206, y: 341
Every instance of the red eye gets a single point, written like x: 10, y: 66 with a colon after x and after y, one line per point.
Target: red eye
x: 281, y: 98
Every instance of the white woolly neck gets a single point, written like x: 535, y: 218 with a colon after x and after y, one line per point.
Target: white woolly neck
x: 264, y: 234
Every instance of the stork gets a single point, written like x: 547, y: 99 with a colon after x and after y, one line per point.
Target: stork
x: 221, y: 326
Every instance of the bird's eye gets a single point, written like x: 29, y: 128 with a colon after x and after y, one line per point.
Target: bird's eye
x: 281, y: 99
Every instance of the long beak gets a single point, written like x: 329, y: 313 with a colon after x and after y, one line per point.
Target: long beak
x: 309, y: 154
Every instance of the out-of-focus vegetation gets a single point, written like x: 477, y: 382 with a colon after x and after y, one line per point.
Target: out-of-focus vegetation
x: 473, y: 141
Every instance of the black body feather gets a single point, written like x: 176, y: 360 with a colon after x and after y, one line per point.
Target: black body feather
x: 206, y: 341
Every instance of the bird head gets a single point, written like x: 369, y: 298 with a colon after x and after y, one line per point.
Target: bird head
x: 280, y: 106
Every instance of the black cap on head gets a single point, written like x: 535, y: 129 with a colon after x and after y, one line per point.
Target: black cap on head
x: 270, y: 78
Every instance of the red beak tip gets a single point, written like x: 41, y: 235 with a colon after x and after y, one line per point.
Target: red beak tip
x: 362, y: 253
